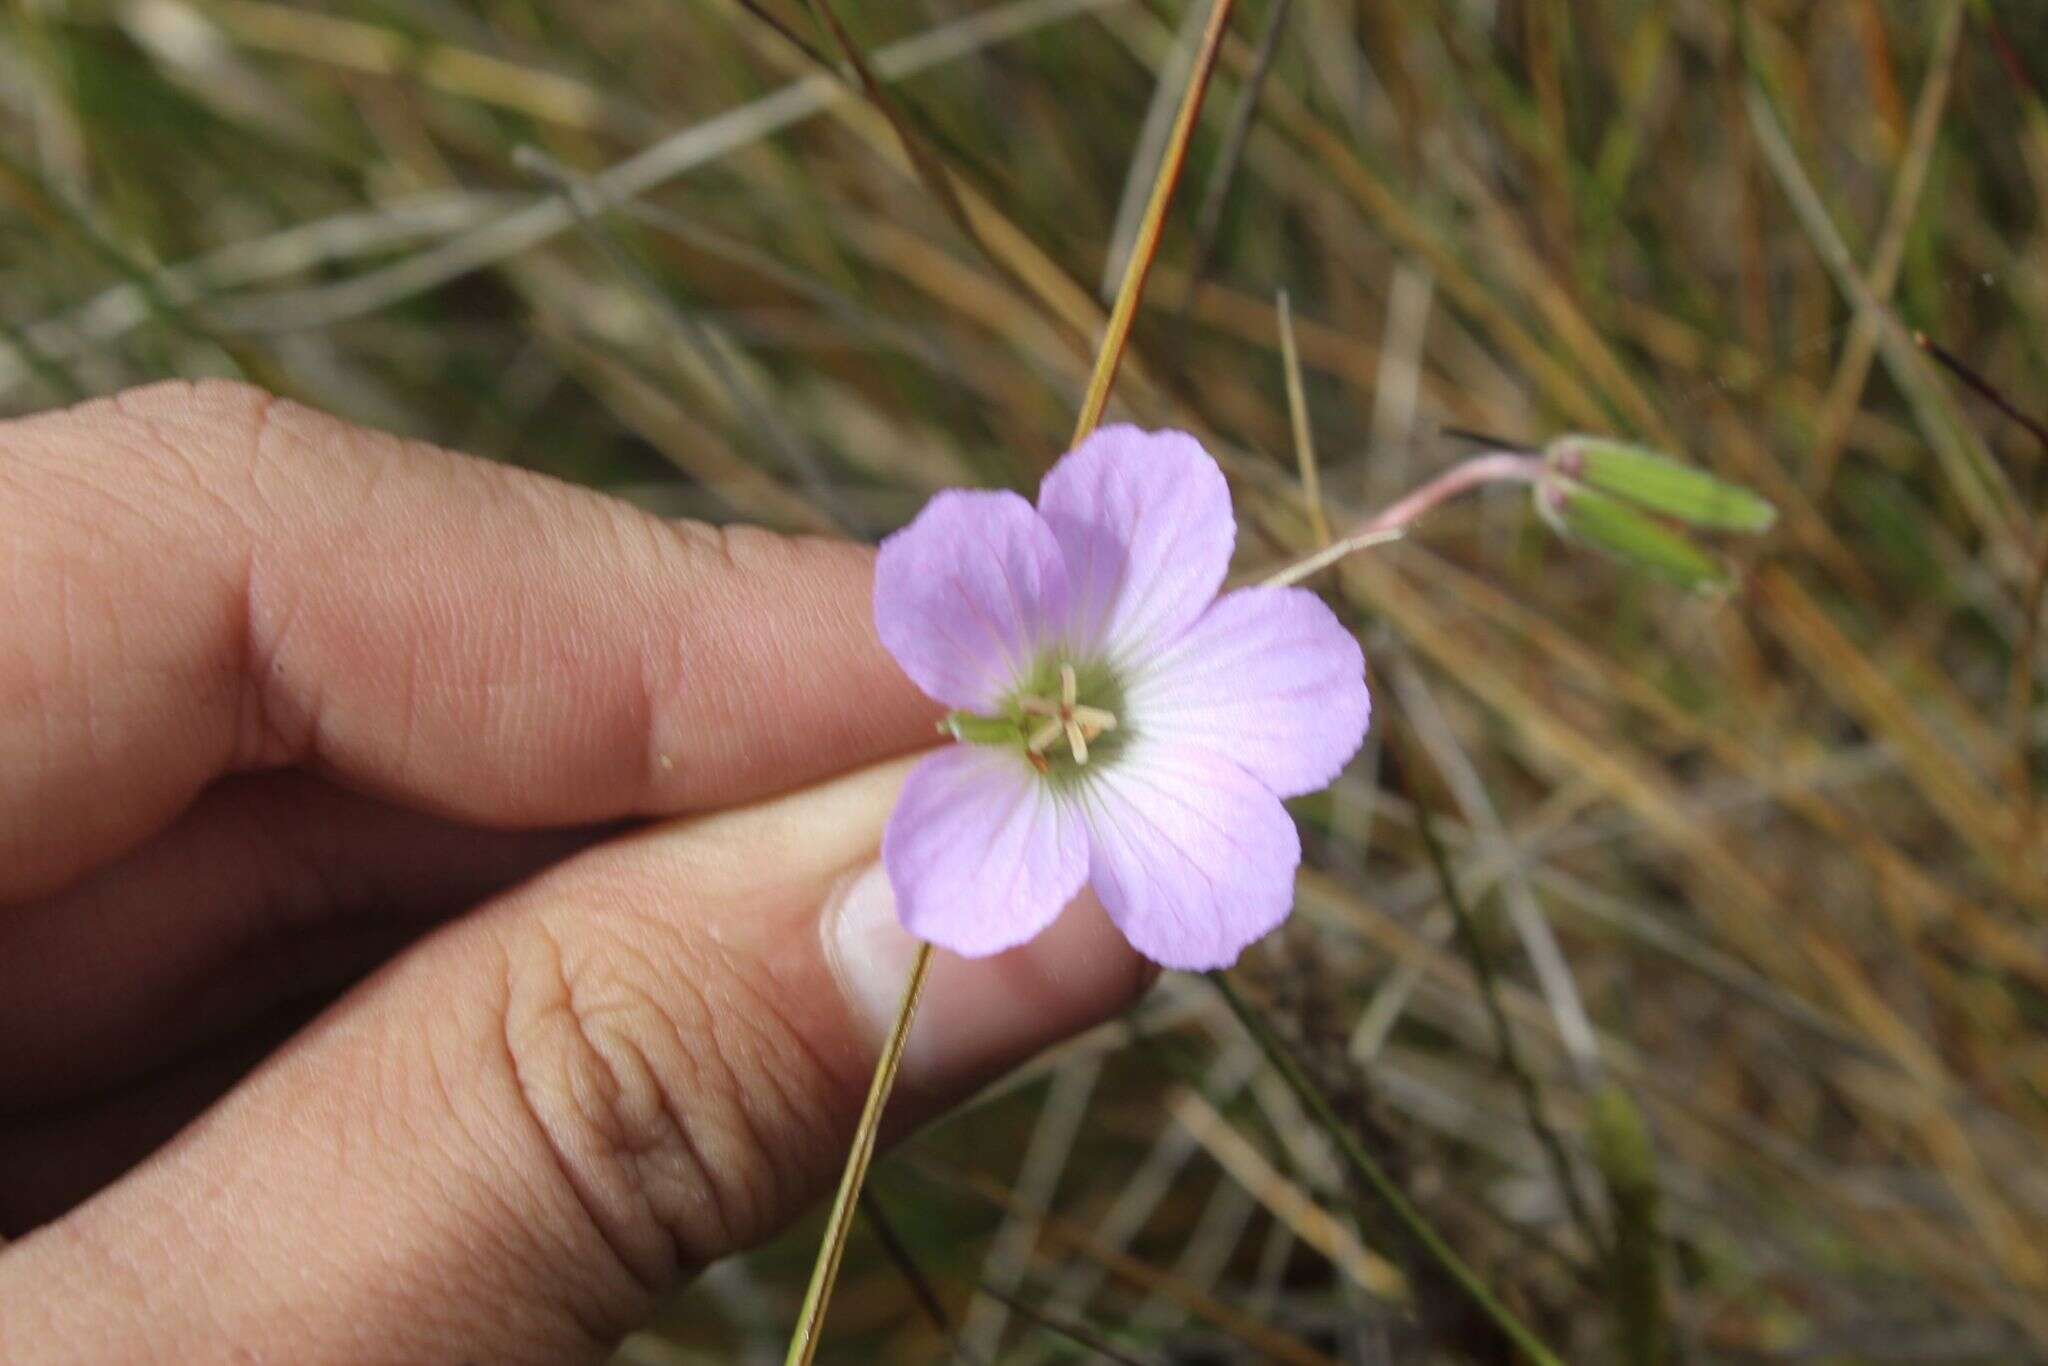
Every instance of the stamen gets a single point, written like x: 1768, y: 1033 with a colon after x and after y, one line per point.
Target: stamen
x: 1065, y: 719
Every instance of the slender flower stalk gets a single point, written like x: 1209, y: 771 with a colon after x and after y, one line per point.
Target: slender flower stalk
x: 803, y: 1344
x: 1492, y: 467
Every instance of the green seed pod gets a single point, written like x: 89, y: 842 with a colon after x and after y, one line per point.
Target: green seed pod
x: 1608, y: 524
x: 1659, y: 484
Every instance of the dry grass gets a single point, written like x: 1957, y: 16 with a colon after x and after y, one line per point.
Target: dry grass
x: 1769, y: 866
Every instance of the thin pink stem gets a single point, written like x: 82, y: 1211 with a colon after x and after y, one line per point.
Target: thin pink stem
x: 1495, y: 467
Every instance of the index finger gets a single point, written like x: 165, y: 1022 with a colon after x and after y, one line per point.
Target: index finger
x: 200, y: 580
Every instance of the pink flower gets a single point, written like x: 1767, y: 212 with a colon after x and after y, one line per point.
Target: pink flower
x: 1122, y: 726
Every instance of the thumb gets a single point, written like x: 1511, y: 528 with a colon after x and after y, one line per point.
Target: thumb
x: 503, y: 1146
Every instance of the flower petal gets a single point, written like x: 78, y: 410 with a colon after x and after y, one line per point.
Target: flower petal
x: 967, y: 595
x: 1144, y: 521
x: 1268, y: 676
x: 1191, y: 856
x: 981, y: 853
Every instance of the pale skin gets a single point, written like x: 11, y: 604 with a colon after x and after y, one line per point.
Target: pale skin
x: 435, y: 907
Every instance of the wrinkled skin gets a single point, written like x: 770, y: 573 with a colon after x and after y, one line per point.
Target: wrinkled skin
x: 432, y: 910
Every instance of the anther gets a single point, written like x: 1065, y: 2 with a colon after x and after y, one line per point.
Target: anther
x: 1065, y: 719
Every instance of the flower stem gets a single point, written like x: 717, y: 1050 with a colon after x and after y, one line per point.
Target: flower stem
x: 1392, y: 522
x: 1411, y: 1219
x: 1495, y: 467
x: 803, y: 1343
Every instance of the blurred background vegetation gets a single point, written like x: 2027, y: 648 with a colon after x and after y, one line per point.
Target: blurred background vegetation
x: 1717, y: 1032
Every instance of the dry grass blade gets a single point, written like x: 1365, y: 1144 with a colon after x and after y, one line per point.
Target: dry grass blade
x: 2019, y: 705
x: 1146, y: 245
x: 1285, y: 1200
x: 933, y: 173
x: 1378, y: 1182
x: 737, y: 390
x: 1224, y: 174
x: 1977, y: 480
x: 380, y: 51
x: 1271, y: 1343
x: 1854, y: 367
x: 1528, y: 1089
x: 1167, y: 96
x: 1080, y: 1334
x: 679, y: 153
x: 1304, y: 435
x: 1849, y: 675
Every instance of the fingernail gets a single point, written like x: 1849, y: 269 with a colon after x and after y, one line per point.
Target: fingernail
x: 870, y: 951
x: 979, y: 1016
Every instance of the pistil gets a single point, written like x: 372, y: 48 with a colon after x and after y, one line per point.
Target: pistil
x: 1066, y: 717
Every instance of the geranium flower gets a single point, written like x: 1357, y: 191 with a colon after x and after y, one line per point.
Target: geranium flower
x: 1120, y: 725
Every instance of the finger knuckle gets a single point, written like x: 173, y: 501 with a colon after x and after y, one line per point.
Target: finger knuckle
x: 676, y: 1107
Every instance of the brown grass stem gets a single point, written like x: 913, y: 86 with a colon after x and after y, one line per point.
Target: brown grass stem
x: 1146, y: 246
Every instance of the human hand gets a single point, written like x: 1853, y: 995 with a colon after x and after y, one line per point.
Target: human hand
x: 291, y: 710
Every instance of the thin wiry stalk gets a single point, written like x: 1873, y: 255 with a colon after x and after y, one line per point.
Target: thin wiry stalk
x: 2019, y: 706
x: 921, y: 1288
x: 1167, y: 91
x: 803, y: 1343
x: 1118, y: 330
x: 1217, y: 193
x: 1046, y: 1156
x: 1526, y: 1086
x: 1411, y: 1219
x: 1073, y: 1330
x: 48, y: 205
x: 1861, y: 347
x: 936, y: 178
x: 1304, y: 434
x: 757, y: 414
x: 817, y: 1298
x: 1539, y: 944
x: 697, y: 145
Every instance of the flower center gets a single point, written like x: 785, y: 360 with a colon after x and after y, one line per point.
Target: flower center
x: 1064, y: 718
